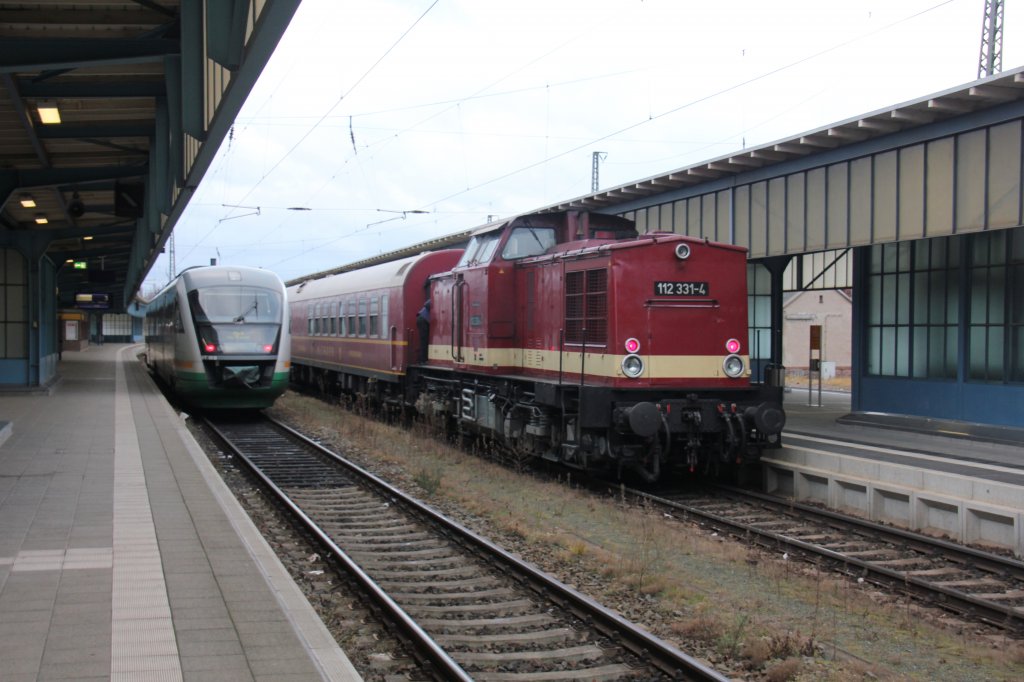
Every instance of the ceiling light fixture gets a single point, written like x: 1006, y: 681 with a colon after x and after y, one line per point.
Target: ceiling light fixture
x: 49, y: 114
x: 41, y: 219
x: 27, y: 201
x: 86, y: 239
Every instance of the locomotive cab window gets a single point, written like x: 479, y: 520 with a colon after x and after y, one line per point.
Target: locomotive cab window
x: 528, y: 241
x: 480, y: 249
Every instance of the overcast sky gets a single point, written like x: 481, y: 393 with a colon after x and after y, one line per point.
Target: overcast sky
x: 465, y: 109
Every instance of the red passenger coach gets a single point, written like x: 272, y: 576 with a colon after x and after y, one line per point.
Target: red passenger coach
x: 356, y: 331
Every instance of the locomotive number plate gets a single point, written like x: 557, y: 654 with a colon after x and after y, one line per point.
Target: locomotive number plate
x: 681, y: 289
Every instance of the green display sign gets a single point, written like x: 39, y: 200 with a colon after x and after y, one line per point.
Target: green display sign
x: 81, y: 265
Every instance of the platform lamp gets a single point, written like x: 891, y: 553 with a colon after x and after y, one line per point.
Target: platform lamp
x: 48, y: 112
x: 27, y: 201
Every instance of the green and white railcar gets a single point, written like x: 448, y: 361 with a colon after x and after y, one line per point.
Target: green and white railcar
x: 217, y: 337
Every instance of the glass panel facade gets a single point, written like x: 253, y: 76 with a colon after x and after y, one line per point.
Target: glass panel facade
x: 995, y: 319
x: 759, y: 315
x: 914, y: 302
x: 13, y: 305
x: 912, y: 309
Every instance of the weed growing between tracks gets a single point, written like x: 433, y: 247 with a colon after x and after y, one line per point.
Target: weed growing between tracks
x: 753, y: 614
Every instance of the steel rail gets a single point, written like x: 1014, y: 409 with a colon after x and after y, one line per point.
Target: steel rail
x: 1005, y: 617
x: 656, y: 651
x: 424, y: 644
x: 987, y: 561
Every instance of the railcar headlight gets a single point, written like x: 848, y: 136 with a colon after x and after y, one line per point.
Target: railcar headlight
x: 632, y: 366
x: 682, y: 251
x: 632, y: 346
x: 733, y: 366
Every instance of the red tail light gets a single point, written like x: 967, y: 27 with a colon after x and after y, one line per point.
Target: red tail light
x: 732, y: 346
x: 269, y: 348
x: 210, y: 348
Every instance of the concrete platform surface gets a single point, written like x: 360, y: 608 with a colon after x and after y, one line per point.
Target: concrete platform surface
x: 960, y: 481
x: 122, y: 554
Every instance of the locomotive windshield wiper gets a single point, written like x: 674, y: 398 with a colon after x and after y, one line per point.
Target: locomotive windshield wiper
x: 241, y: 318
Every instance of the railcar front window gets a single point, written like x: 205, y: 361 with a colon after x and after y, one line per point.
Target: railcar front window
x: 236, y: 320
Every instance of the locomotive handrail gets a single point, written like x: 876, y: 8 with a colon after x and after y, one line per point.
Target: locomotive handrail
x: 699, y: 303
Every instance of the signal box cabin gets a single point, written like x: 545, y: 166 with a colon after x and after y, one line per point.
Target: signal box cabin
x: 574, y: 298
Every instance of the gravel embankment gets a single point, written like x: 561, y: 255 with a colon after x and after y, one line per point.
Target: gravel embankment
x: 754, y: 615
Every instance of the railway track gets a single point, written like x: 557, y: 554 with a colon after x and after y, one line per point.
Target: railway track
x: 974, y: 584
x: 469, y: 610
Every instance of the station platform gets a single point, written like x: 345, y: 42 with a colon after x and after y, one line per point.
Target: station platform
x: 957, y: 447
x: 123, y: 556
x: 956, y: 480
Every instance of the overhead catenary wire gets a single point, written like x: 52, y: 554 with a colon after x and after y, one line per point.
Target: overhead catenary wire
x: 334, y: 106
x: 584, y: 142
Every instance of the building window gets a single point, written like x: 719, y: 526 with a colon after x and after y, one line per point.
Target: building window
x: 759, y: 318
x: 117, y: 325
x: 13, y: 305
x: 912, y: 309
x: 996, y: 317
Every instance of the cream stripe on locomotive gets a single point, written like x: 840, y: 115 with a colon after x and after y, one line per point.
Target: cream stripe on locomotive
x: 596, y: 364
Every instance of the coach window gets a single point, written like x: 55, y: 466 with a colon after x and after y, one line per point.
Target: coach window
x: 362, y: 317
x: 341, y: 318
x: 384, y: 315
x: 309, y: 319
x: 528, y: 241
x: 334, y: 319
x: 351, y: 318
x: 374, y: 312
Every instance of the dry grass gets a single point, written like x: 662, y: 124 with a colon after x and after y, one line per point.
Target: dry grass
x: 756, y: 610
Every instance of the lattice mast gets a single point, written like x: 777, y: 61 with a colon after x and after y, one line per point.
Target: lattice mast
x: 991, y: 60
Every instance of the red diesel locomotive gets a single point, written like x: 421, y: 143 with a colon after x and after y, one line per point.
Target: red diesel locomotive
x: 563, y: 336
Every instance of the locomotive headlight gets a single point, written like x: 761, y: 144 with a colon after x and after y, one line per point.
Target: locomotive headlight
x: 682, y: 251
x: 632, y: 366
x: 732, y: 346
x: 632, y: 346
x: 733, y: 366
